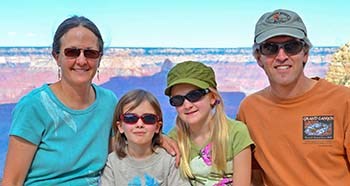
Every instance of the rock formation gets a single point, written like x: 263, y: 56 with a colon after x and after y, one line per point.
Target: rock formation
x: 339, y: 68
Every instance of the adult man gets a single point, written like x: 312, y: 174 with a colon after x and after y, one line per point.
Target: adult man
x: 301, y: 126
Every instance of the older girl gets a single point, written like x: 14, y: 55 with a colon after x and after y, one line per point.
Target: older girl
x: 215, y: 150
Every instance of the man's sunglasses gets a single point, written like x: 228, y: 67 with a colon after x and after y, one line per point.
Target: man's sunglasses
x: 193, y: 96
x: 132, y: 118
x: 88, y: 53
x: 290, y: 47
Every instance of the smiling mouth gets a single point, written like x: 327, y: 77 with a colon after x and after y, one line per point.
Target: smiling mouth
x: 139, y: 133
x: 189, y: 113
x: 81, y: 70
x: 283, y: 67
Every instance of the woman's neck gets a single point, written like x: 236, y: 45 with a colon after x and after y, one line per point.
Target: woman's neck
x: 74, y: 97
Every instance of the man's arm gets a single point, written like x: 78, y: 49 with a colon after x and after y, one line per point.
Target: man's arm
x: 257, y: 179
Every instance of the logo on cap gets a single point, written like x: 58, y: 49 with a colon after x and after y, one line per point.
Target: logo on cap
x: 278, y: 18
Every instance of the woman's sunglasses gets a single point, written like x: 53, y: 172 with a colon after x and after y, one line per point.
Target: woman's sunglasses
x: 132, y: 118
x: 88, y: 53
x: 193, y: 96
x: 290, y: 47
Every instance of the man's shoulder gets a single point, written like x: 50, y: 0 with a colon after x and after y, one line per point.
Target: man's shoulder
x: 255, y: 95
x: 329, y: 86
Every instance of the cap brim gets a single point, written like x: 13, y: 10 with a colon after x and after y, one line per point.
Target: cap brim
x: 293, y: 32
x: 195, y: 82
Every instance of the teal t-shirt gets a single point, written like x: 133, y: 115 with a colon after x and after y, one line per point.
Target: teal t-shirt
x: 200, y: 161
x: 72, y: 144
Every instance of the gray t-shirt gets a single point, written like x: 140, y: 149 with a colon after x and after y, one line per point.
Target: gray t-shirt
x: 158, y: 169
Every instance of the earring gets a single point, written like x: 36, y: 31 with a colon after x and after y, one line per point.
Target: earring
x: 217, y: 101
x: 59, y: 73
x: 98, y: 74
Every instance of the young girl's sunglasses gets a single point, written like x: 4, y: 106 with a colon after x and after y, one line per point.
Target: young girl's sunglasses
x: 88, y: 53
x: 132, y: 118
x: 192, y: 96
x: 290, y: 47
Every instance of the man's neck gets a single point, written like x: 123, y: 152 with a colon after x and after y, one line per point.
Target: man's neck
x: 290, y: 91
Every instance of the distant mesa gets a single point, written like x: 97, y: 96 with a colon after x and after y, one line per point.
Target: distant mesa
x: 167, y: 65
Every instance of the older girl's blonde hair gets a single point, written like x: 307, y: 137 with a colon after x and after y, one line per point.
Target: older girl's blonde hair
x: 218, y: 136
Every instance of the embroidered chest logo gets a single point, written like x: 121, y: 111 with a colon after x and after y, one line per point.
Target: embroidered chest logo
x: 278, y: 18
x: 318, y: 127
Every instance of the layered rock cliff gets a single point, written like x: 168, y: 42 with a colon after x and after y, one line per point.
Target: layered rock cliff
x: 339, y: 68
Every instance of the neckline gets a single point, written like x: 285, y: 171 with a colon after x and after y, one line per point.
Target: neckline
x: 297, y: 98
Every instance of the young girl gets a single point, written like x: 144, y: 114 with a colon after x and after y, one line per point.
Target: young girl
x: 215, y: 150
x: 138, y: 158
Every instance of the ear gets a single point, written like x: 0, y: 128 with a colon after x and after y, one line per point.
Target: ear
x: 159, y: 124
x: 213, y: 100
x: 257, y: 57
x: 305, y: 58
x: 55, y: 56
x: 258, y: 60
x: 120, y: 128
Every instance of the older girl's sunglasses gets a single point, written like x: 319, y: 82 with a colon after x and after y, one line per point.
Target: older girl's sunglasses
x: 132, y: 118
x: 290, y: 47
x: 88, y: 53
x: 192, y: 96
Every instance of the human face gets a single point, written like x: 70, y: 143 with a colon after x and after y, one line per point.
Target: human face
x: 283, y: 69
x: 78, y: 70
x: 193, y: 113
x: 139, y: 133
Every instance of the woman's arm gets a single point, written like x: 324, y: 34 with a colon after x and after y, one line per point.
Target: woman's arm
x: 242, y: 166
x: 18, y: 160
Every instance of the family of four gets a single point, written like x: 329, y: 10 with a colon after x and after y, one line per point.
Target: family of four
x: 294, y: 132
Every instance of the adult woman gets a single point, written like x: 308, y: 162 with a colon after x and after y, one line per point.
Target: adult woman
x: 60, y: 131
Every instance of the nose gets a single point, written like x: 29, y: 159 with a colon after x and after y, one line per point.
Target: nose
x: 281, y: 55
x: 139, y: 123
x: 187, y: 104
x: 81, y: 59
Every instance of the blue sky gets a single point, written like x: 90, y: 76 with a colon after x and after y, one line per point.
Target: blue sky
x: 166, y: 23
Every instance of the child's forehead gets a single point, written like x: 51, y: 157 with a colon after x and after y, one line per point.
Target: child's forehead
x: 142, y: 107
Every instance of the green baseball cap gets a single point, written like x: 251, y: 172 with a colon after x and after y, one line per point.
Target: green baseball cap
x: 191, y: 72
x: 280, y: 22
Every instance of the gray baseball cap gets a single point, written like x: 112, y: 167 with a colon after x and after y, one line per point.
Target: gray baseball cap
x: 280, y: 22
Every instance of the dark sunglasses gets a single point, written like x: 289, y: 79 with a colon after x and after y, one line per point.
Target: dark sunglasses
x: 193, y: 96
x: 132, y: 118
x: 290, y: 47
x: 88, y: 53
